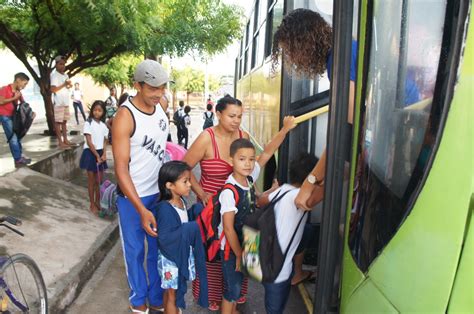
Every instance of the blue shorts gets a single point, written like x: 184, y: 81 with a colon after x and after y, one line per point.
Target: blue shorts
x: 232, y: 278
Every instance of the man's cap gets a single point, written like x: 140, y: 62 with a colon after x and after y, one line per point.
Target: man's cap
x: 152, y: 73
x: 59, y: 58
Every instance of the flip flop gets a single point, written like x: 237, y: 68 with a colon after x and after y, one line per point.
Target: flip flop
x: 304, y: 279
x: 138, y: 311
x: 155, y: 310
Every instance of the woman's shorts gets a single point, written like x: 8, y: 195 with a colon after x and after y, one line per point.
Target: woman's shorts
x: 89, y: 162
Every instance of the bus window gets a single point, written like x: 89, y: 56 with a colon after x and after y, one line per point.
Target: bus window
x: 398, y: 131
x: 274, y: 18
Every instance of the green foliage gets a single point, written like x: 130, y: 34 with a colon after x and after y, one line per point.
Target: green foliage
x: 191, y: 80
x: 202, y: 25
x: 117, y: 72
x: 92, y: 32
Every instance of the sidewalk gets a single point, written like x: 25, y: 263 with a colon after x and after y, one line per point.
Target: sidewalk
x: 61, y: 235
x: 35, y: 145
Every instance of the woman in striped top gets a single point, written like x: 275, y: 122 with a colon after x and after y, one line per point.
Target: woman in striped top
x: 212, y: 151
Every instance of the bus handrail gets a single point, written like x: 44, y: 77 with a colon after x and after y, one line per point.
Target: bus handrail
x: 311, y: 114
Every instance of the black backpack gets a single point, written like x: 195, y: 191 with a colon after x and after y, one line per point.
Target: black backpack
x: 177, y: 119
x: 262, y: 256
x: 22, y: 119
x: 208, y: 121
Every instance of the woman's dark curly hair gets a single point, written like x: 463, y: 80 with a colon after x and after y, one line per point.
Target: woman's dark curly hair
x: 303, y: 39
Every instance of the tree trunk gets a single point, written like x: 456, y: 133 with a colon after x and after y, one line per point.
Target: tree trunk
x: 187, y: 98
x: 175, y: 100
x: 48, y: 104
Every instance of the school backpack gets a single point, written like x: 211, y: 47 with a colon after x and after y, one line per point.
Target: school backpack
x: 262, y: 256
x: 208, y: 121
x: 177, y: 119
x: 22, y: 119
x: 209, y: 221
x: 108, y: 198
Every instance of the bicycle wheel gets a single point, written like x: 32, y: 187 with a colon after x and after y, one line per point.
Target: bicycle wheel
x: 23, y: 289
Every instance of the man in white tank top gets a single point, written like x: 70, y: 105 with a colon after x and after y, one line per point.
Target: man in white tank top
x: 140, y: 130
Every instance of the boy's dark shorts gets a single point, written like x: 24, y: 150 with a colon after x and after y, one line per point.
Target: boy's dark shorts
x: 232, y: 279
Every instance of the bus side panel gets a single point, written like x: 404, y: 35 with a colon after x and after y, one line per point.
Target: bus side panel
x: 260, y: 94
x: 243, y: 93
x: 416, y: 270
x: 462, y: 297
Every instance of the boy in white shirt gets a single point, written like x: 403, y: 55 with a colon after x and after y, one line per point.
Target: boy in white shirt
x: 287, y: 217
x: 246, y: 169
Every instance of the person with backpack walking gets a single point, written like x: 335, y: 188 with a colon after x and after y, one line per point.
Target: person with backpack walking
x: 181, y: 253
x: 10, y: 97
x: 94, y: 158
x: 77, y: 102
x: 211, y: 150
x: 208, y: 117
x: 246, y: 169
x: 139, y: 135
x: 289, y: 222
x: 179, y: 122
x: 185, y: 125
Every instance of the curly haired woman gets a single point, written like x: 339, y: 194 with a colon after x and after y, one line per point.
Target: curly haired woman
x: 304, y: 41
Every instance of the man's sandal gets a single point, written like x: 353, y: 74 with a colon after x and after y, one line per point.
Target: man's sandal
x: 138, y: 311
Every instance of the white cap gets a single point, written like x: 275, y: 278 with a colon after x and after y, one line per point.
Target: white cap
x: 152, y: 73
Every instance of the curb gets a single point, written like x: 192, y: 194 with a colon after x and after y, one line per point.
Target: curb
x: 69, y: 287
x: 66, y: 289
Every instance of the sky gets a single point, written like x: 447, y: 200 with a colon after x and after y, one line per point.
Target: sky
x: 221, y: 64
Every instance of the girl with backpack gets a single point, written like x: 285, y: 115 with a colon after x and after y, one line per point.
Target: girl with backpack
x: 208, y: 117
x: 93, y: 158
x: 181, y: 253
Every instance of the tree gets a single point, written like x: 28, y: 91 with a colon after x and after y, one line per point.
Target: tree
x: 190, y: 80
x: 118, y: 72
x: 92, y: 32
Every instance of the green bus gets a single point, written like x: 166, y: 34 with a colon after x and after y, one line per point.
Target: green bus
x: 396, y: 224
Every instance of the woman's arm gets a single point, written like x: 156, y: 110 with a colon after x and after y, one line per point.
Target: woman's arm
x: 195, y: 154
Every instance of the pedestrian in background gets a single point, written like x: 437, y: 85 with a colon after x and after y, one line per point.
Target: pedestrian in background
x: 208, y: 117
x: 178, y: 121
x: 111, y: 103
x: 185, y: 125
x: 10, y: 96
x: 77, y: 102
x: 60, y: 83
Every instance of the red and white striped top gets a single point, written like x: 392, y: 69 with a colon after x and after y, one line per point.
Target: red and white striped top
x: 215, y: 171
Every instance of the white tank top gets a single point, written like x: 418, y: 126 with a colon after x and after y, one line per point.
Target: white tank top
x: 147, y: 147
